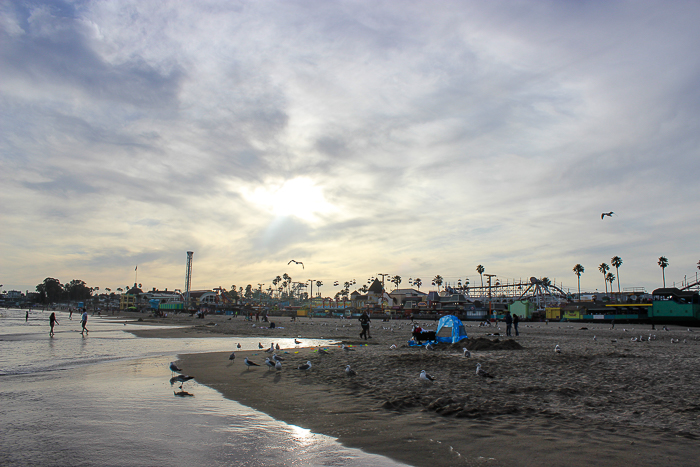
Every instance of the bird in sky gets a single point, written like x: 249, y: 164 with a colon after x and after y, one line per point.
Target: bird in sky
x: 296, y: 262
x: 609, y: 214
x: 425, y: 376
x: 349, y: 371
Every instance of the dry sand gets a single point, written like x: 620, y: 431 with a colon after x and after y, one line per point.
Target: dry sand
x: 597, y: 401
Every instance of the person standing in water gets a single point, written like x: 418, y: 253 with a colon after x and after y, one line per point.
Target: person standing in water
x: 83, y: 323
x: 52, y: 321
x: 26, y: 317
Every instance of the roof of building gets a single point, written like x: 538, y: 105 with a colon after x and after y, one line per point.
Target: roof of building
x: 376, y: 287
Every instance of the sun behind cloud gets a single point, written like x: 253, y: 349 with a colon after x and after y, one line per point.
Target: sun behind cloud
x: 299, y: 197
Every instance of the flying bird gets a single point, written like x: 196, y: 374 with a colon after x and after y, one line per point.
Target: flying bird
x: 296, y: 262
x: 609, y: 214
x: 248, y: 363
x: 425, y: 376
x: 349, y: 371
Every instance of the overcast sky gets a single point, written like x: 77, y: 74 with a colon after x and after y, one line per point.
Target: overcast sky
x: 360, y: 137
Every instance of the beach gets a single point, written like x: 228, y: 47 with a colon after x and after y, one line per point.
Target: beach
x: 608, y: 400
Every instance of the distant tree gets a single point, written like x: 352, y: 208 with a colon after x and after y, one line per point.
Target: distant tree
x: 604, y: 268
x: 610, y: 278
x: 364, y: 288
x: 480, y: 269
x: 417, y: 282
x: 578, y: 270
x: 319, y: 284
x: 77, y: 290
x: 248, y: 291
x: 50, y: 291
x: 663, y: 264
x: 437, y: 280
x: 396, y: 280
x: 616, y: 261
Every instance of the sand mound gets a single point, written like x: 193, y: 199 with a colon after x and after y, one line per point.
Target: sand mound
x: 481, y: 343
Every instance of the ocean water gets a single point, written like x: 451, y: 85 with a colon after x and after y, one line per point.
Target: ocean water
x: 106, y: 399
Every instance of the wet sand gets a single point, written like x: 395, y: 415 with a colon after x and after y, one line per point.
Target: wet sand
x: 596, y: 401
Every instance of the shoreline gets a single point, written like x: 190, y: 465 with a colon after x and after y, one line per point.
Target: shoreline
x: 610, y: 401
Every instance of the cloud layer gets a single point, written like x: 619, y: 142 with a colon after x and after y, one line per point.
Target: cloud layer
x: 360, y: 137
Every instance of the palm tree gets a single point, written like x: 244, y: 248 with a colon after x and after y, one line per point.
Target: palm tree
x: 318, y: 286
x: 480, y: 269
x: 617, y: 262
x: 663, y: 263
x: 437, y: 280
x: 604, y: 268
x: 578, y: 270
x: 417, y: 282
x: 610, y: 278
x: 396, y: 280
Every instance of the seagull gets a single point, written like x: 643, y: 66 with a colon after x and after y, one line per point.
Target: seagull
x: 182, y: 379
x: 277, y: 346
x: 428, y: 346
x: 634, y: 339
x: 270, y: 364
x: 277, y: 358
x: 305, y: 367
x: 278, y: 365
x: 238, y: 345
x: 347, y: 349
x: 272, y: 348
x: 174, y: 368
x: 248, y: 363
x: 595, y: 338
x: 296, y: 341
x: 393, y: 347
x: 349, y: 371
x: 480, y: 372
x: 609, y: 214
x: 467, y: 353
x: 296, y: 262
x: 613, y: 340
x: 557, y: 349
x: 426, y: 377
x: 232, y: 356
x: 260, y: 346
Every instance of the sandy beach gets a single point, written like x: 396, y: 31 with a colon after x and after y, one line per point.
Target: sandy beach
x: 608, y: 400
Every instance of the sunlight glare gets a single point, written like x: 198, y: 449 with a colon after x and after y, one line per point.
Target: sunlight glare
x: 298, y: 197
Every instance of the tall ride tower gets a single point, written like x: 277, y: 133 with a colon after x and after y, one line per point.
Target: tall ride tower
x: 188, y: 278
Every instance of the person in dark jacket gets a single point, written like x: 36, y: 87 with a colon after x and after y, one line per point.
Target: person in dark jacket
x: 364, y: 322
x: 516, y: 320
x: 509, y: 323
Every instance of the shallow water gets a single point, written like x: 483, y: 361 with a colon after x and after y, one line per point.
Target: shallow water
x: 105, y: 399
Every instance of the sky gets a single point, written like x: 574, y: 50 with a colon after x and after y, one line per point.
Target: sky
x: 410, y: 138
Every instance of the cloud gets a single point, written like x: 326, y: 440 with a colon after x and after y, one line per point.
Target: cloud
x: 440, y: 138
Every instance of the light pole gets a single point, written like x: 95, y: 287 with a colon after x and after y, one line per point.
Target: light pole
x: 311, y: 297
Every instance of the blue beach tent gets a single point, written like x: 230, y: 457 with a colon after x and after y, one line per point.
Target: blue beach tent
x: 450, y: 330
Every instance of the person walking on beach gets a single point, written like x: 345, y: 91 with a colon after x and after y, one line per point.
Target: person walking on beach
x: 509, y: 323
x: 52, y: 321
x: 364, y: 322
x: 70, y: 314
x: 83, y: 323
x: 26, y: 316
x: 516, y: 320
